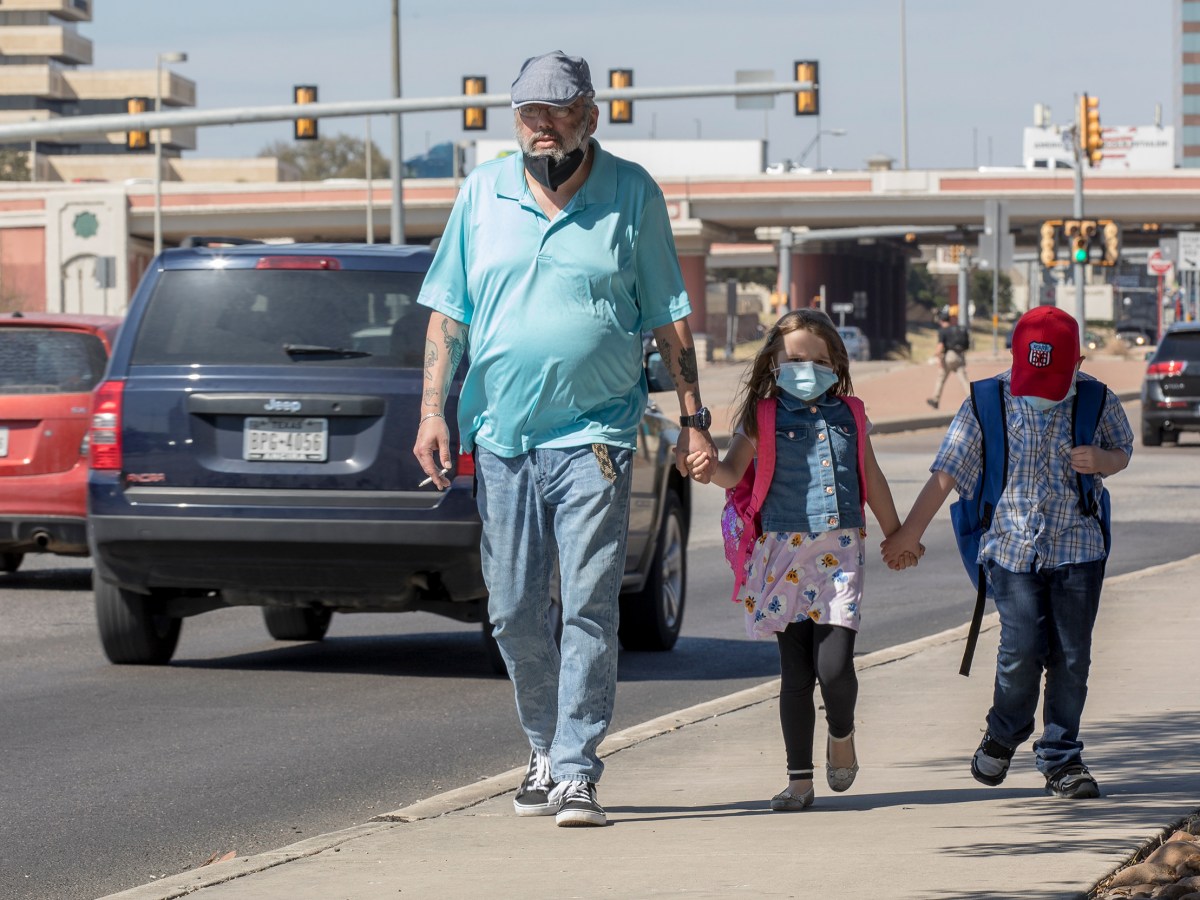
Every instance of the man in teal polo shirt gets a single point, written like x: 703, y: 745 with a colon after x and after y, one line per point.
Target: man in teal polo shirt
x: 553, y: 263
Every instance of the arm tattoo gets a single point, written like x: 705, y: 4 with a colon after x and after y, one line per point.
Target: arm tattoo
x: 687, y: 365
x: 456, y: 345
x: 664, y: 350
x: 431, y: 356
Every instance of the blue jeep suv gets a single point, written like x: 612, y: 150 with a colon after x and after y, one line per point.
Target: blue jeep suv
x: 252, y: 445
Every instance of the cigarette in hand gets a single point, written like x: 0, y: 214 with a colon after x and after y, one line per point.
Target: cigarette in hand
x: 428, y: 481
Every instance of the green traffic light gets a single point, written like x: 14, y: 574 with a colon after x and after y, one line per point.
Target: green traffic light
x: 1081, y: 256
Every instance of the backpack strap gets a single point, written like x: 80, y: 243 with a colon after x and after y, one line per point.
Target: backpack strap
x: 764, y: 464
x: 987, y: 402
x: 1086, y: 411
x: 764, y: 470
x: 860, y: 422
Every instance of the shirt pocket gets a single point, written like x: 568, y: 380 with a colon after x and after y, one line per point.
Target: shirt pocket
x: 795, y: 434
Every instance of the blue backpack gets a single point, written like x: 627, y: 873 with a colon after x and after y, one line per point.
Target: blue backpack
x: 972, y: 518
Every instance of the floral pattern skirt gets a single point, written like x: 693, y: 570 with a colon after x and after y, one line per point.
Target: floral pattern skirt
x: 793, y: 576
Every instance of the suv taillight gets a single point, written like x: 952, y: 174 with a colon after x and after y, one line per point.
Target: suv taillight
x: 1167, y: 368
x: 105, y: 433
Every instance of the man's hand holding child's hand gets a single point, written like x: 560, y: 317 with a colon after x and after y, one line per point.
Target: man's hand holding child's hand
x: 700, y: 466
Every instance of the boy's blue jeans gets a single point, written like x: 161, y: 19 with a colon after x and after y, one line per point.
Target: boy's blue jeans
x: 574, y: 504
x: 1046, y: 620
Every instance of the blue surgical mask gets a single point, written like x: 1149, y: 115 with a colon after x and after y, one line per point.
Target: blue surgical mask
x: 805, y: 380
x: 1041, y: 404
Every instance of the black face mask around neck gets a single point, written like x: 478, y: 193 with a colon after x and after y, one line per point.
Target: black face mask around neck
x: 554, y: 175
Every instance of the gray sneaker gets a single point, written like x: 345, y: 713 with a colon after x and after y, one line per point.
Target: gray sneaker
x: 577, y: 804
x: 533, y: 796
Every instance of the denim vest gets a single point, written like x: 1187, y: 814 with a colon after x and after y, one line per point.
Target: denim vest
x: 815, y: 486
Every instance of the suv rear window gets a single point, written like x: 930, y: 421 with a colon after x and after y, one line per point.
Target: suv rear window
x: 284, y: 317
x: 1182, y: 345
x: 49, y: 361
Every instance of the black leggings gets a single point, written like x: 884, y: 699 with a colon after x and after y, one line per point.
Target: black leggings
x: 809, y: 653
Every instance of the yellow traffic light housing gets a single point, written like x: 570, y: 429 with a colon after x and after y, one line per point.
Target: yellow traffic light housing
x: 1081, y: 233
x: 1110, y: 242
x: 808, y: 103
x: 474, y: 117
x: 137, y: 140
x: 1049, y: 243
x: 1091, y: 141
x: 620, y: 112
x: 305, y: 129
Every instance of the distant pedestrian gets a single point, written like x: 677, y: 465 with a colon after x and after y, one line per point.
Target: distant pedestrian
x: 1044, y: 552
x: 554, y: 262
x: 803, y: 439
x: 954, y: 341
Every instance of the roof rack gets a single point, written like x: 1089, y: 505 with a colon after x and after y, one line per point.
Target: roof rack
x: 213, y: 240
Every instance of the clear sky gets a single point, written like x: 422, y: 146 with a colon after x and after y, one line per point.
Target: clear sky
x: 975, y: 69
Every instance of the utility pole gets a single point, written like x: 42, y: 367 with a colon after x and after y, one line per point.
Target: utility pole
x: 397, y: 223
x: 1077, y: 267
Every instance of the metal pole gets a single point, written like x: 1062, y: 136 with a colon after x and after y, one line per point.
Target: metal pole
x: 158, y: 157
x: 1078, y: 267
x: 964, y: 299
x: 996, y: 285
x: 903, y: 91
x: 785, y: 267
x: 1158, y: 331
x: 370, y: 197
x: 397, y: 222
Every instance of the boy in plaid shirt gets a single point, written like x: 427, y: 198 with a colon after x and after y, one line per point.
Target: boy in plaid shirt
x: 1044, y: 557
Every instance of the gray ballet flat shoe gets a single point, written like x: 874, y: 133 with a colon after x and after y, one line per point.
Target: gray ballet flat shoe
x: 840, y: 778
x: 786, y: 801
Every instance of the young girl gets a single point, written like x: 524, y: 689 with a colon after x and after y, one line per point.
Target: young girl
x: 801, y: 580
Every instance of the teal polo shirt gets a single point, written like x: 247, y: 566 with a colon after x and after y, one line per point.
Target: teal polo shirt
x: 555, y: 308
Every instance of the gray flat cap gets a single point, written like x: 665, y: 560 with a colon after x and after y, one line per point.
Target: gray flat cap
x: 554, y: 79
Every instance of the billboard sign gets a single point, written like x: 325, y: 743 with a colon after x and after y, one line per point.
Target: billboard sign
x: 1126, y: 147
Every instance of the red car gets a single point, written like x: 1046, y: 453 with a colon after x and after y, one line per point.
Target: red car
x: 49, y: 364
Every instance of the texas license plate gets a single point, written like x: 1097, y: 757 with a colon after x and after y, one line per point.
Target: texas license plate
x: 280, y: 439
x: 3, y: 440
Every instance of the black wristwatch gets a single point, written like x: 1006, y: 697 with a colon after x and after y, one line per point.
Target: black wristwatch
x: 702, y: 419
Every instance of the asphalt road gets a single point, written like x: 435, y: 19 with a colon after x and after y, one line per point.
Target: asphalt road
x: 114, y: 776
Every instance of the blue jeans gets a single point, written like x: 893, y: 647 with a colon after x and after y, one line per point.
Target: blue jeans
x: 574, y: 504
x: 1046, y: 619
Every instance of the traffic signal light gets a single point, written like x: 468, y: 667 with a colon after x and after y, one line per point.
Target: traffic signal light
x: 620, y: 112
x: 1091, y: 142
x: 306, y: 129
x: 137, y: 140
x: 1049, y: 242
x: 474, y: 117
x: 1080, y: 233
x: 1110, y: 242
x: 808, y: 103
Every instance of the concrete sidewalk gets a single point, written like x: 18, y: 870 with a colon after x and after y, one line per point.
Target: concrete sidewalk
x: 687, y: 794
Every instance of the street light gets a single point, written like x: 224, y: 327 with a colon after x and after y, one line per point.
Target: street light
x: 175, y: 56
x: 816, y: 142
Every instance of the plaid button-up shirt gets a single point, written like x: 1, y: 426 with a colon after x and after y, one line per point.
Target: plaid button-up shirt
x: 1037, y: 522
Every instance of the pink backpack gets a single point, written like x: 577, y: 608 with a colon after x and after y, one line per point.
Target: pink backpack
x: 741, y: 523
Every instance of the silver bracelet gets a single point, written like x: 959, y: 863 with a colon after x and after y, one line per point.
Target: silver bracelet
x: 431, y: 416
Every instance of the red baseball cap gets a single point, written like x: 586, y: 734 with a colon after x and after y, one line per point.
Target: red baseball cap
x: 1045, y: 350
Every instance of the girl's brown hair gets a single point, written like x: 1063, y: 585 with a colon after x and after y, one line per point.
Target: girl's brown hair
x: 760, y: 383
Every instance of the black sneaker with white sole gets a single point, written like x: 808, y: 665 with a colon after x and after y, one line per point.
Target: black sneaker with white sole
x: 989, y: 765
x: 1072, y: 782
x: 533, y: 796
x: 577, y: 804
